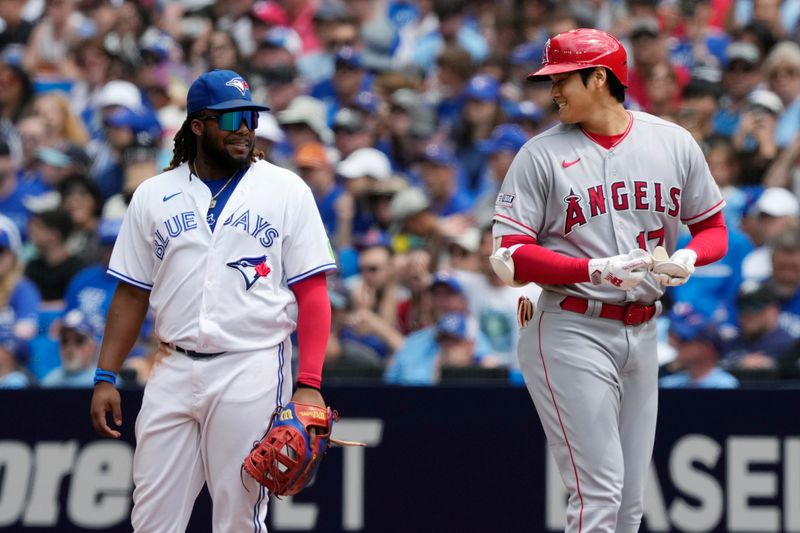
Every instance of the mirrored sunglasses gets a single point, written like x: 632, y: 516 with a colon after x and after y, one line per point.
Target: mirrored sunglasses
x: 231, y: 120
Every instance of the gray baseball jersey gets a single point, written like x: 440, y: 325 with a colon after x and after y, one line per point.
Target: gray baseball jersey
x: 579, y: 199
x: 593, y: 380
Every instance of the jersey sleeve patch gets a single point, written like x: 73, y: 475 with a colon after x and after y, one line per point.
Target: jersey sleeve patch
x: 505, y: 199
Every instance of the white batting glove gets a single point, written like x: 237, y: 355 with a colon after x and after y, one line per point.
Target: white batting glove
x: 675, y: 270
x: 622, y: 272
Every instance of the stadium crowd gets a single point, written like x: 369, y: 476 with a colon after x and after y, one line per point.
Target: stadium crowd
x: 403, y: 117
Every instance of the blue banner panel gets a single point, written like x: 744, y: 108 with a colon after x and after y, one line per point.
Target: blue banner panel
x: 438, y: 460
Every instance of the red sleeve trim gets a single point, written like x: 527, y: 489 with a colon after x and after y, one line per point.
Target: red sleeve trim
x: 718, y: 205
x: 313, y: 327
x: 520, y: 225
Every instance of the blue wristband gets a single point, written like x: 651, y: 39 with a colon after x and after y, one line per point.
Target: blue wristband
x: 104, y: 375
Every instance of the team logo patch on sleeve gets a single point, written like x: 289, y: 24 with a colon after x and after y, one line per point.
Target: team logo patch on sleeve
x: 251, y: 269
x: 505, y: 199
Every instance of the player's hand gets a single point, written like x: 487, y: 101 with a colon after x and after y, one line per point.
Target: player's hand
x: 622, y: 272
x: 311, y: 397
x: 105, y: 399
x: 674, y: 270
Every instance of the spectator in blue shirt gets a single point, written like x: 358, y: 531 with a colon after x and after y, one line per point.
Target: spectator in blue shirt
x: 19, y: 297
x: 441, y: 174
x: 13, y: 192
x: 79, y: 345
x: 454, y: 341
x: 697, y: 341
x: 762, y: 341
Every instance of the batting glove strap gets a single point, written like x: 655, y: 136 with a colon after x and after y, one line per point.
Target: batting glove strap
x: 622, y: 272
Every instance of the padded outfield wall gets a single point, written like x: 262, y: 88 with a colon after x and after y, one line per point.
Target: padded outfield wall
x: 446, y: 459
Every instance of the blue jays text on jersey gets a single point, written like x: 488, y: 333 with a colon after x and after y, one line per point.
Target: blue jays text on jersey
x: 254, y: 225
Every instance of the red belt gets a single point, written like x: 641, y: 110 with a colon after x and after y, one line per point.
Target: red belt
x: 631, y: 315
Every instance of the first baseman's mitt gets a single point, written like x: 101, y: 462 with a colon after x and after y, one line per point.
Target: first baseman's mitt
x: 287, y: 457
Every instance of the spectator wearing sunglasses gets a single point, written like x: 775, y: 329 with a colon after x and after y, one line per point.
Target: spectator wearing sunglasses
x: 741, y: 76
x: 78, y: 343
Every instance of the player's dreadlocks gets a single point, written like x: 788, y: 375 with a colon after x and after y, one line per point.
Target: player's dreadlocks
x: 185, y: 146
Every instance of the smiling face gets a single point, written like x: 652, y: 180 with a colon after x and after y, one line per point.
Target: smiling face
x: 573, y: 99
x: 230, y: 150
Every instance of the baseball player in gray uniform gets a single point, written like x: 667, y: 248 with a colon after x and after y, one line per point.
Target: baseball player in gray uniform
x: 581, y: 212
x: 221, y: 245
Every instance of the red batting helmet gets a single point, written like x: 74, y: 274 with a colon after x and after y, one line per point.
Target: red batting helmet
x: 580, y: 49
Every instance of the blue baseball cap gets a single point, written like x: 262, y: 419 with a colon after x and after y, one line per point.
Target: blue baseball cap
x: 108, y: 230
x: 220, y: 90
x: 140, y: 121
x: 690, y: 325
x: 439, y: 154
x: 77, y: 320
x: 526, y: 110
x: 448, y: 280
x: 505, y: 138
x: 526, y: 53
x: 483, y: 87
x: 348, y: 57
x: 454, y: 325
x: 17, y: 347
x: 367, y: 101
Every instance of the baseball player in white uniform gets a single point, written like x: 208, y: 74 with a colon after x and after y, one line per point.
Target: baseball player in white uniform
x: 581, y: 210
x: 221, y: 245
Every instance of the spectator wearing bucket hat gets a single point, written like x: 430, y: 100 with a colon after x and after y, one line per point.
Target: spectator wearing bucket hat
x: 304, y: 121
x: 776, y: 210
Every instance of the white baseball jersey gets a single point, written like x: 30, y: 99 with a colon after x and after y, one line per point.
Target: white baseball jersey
x: 579, y: 199
x: 203, y: 284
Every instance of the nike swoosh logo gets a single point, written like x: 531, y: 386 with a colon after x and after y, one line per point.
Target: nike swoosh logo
x: 171, y: 196
x: 567, y: 165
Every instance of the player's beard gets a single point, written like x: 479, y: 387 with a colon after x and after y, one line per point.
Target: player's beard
x: 220, y: 156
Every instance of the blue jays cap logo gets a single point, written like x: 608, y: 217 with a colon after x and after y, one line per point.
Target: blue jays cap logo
x: 240, y: 84
x: 251, y: 268
x: 220, y: 90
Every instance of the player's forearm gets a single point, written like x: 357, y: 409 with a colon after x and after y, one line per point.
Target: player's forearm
x: 313, y: 327
x: 125, y: 316
x: 709, y: 239
x: 537, y: 264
